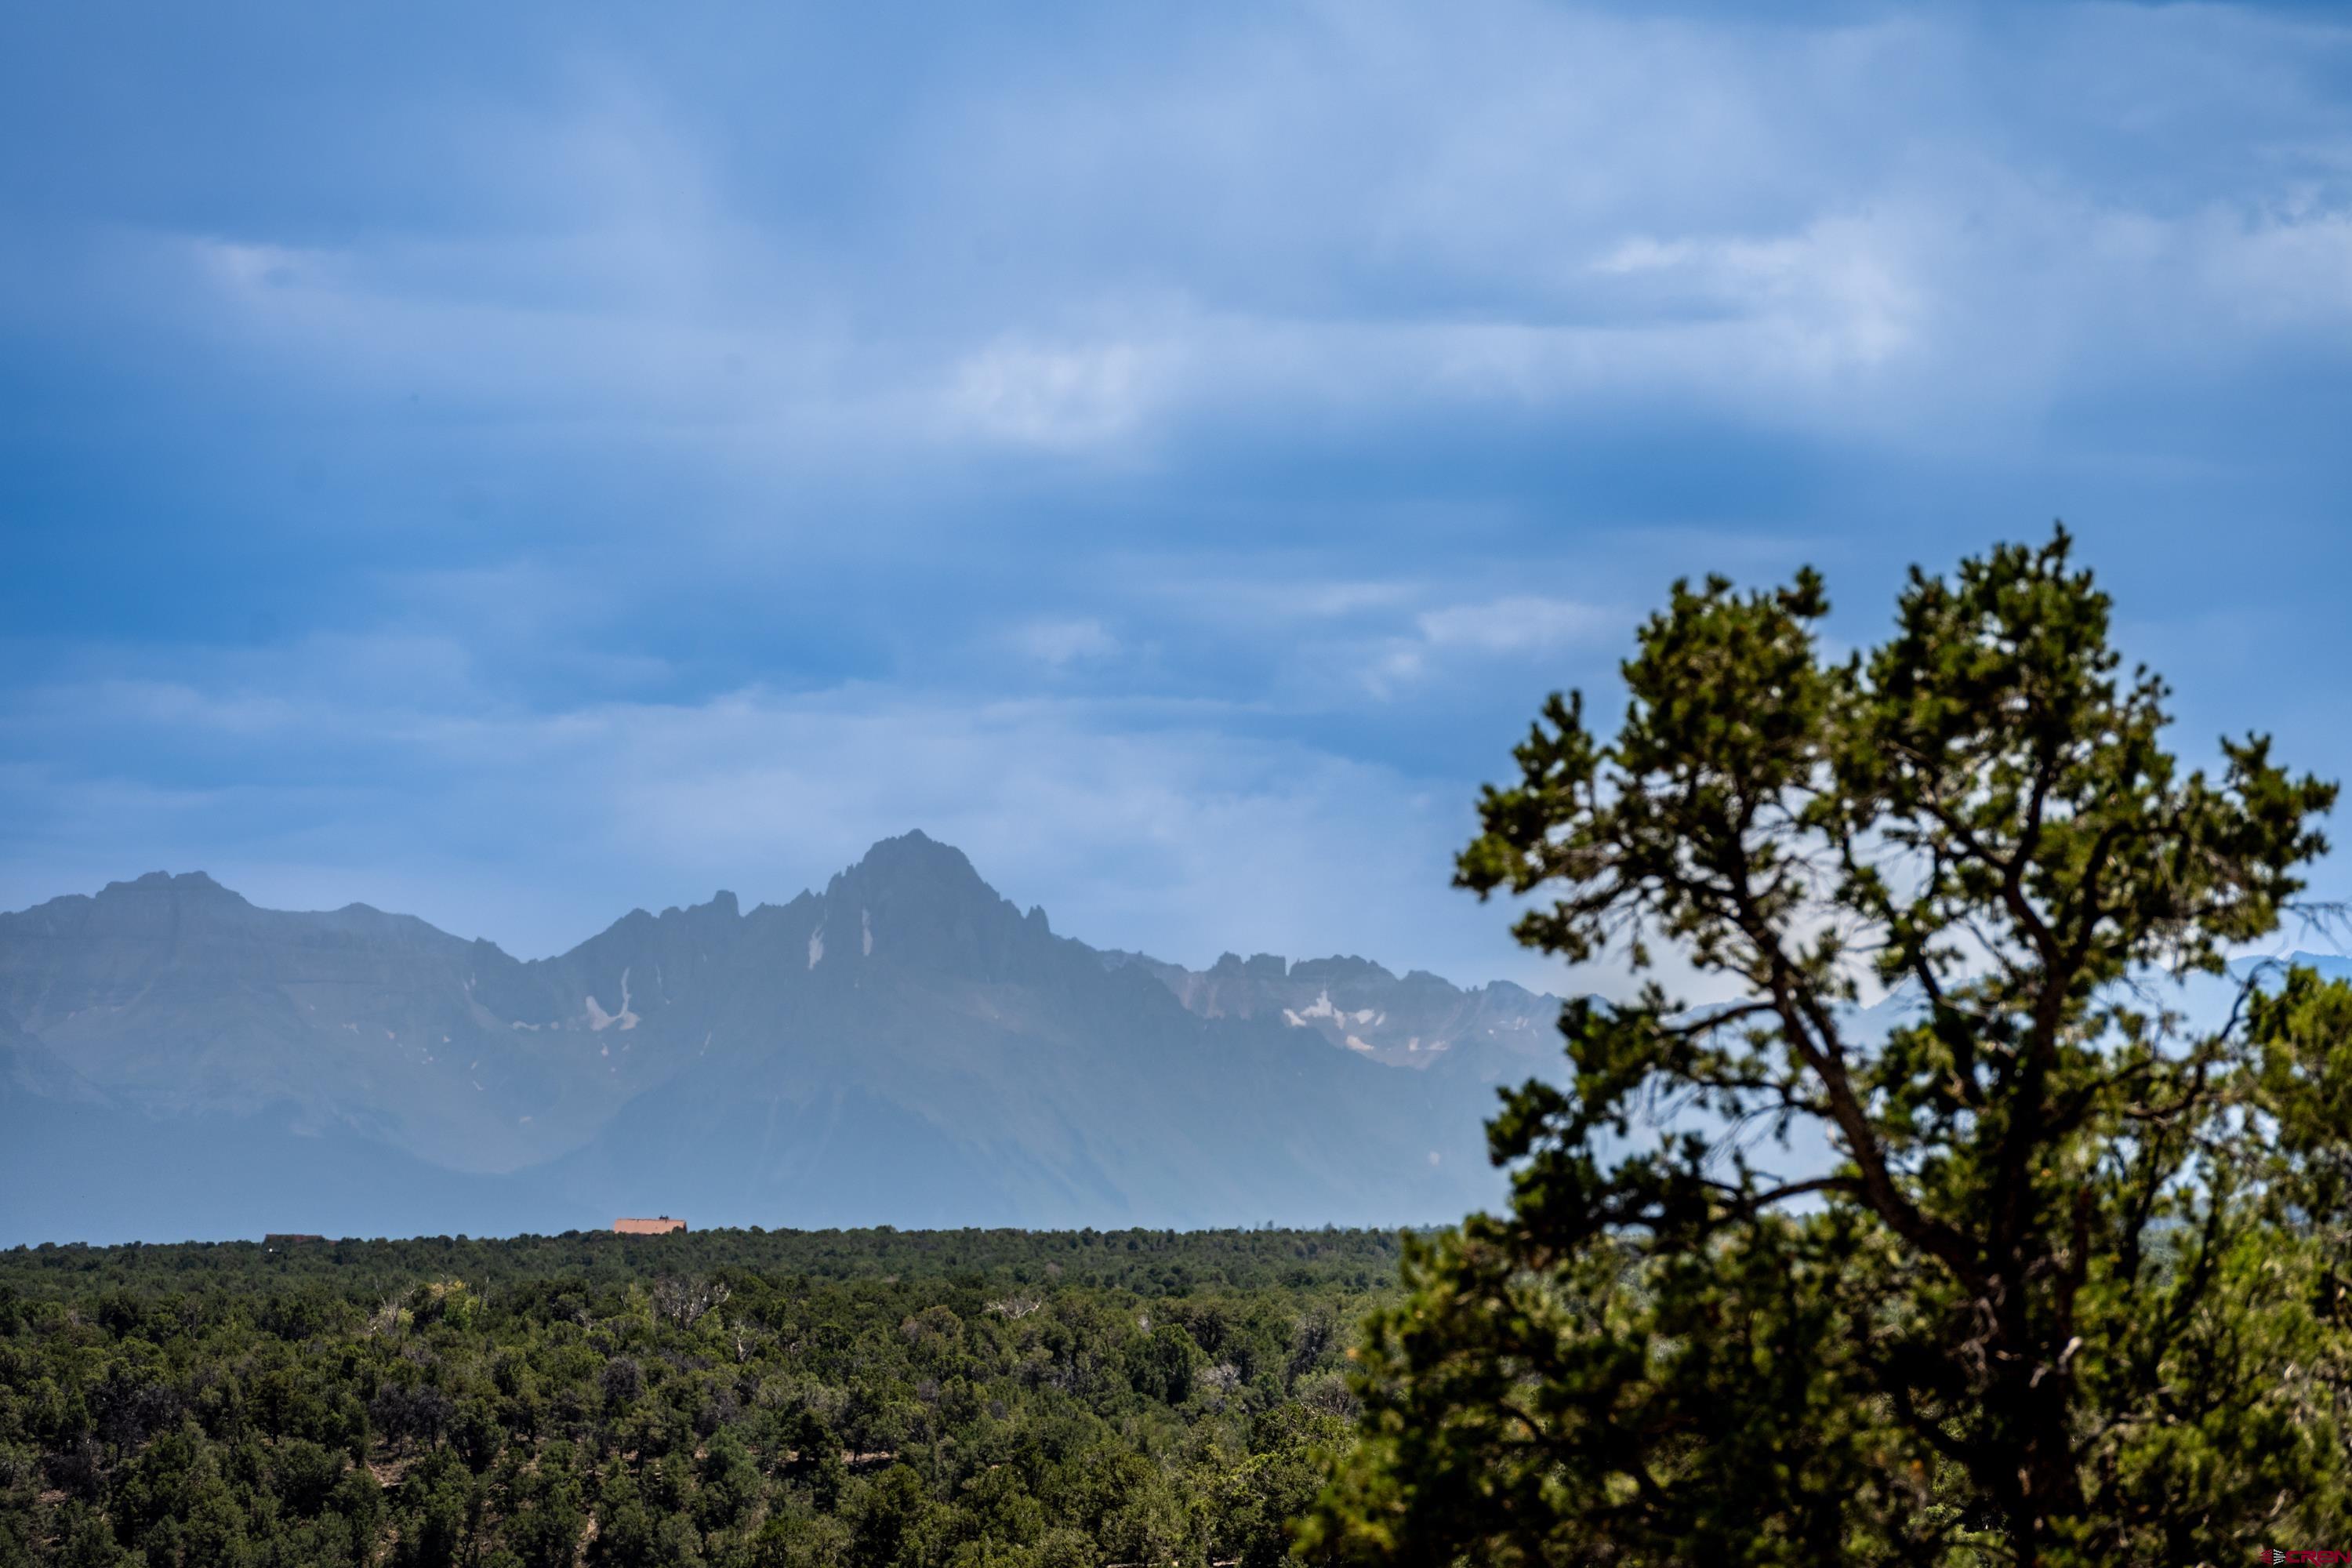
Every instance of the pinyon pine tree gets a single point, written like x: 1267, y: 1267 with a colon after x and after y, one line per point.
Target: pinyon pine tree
x: 2069, y: 1285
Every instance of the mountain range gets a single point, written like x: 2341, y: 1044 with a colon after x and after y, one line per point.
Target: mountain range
x: 905, y: 1048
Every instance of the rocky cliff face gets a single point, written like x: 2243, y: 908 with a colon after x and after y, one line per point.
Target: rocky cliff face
x: 1413, y: 1021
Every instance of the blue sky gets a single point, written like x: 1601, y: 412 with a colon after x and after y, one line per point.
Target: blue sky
x: 516, y: 463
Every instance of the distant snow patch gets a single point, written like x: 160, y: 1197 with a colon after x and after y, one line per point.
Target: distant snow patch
x: 600, y: 1020
x: 866, y: 924
x: 817, y: 946
x: 1319, y: 1008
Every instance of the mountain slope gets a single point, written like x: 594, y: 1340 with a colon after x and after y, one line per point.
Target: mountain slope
x: 904, y: 1047
x: 176, y: 997
x: 909, y: 1048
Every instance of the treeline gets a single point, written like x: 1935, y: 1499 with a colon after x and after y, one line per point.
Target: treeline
x: 965, y: 1400
x: 1152, y: 1262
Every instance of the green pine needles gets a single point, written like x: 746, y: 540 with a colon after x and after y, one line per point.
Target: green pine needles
x: 2069, y: 1286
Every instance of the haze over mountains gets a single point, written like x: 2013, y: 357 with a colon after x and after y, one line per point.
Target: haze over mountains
x: 906, y: 1047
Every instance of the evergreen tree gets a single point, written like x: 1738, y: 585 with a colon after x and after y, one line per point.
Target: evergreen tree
x: 2066, y: 1286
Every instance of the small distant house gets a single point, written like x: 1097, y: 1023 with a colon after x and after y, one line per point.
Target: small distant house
x: 660, y: 1226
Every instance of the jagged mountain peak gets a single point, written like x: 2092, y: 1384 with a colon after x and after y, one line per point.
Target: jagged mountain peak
x: 181, y: 885
x: 913, y: 900
x: 908, y: 900
x: 1363, y: 1006
x: 722, y: 910
x: 913, y: 863
x: 1345, y: 970
x: 719, y: 917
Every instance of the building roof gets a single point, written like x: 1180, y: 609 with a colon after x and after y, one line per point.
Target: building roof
x: 647, y: 1226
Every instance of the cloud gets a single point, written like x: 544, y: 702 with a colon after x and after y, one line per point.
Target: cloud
x: 1231, y: 229
x: 724, y: 454
x: 1137, y: 825
x: 1522, y: 626
x: 1519, y: 623
x: 1841, y: 295
x: 1906, y: 318
x: 1060, y: 643
x: 1064, y: 397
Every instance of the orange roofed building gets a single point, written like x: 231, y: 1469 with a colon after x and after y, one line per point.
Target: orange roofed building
x: 648, y: 1226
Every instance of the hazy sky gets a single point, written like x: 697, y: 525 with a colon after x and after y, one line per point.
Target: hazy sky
x: 514, y: 463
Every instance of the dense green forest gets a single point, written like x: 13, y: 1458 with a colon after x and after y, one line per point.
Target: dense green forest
x: 869, y: 1397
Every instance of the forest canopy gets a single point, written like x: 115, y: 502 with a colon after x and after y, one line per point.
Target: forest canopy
x: 720, y: 1398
